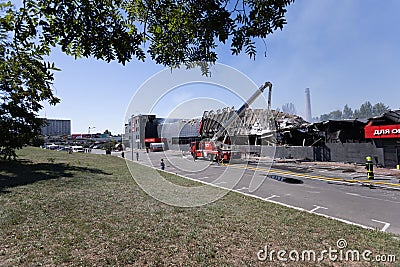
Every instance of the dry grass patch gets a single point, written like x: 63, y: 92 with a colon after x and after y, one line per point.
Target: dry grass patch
x: 80, y: 209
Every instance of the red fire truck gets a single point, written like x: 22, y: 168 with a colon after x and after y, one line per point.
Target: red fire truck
x: 209, y: 150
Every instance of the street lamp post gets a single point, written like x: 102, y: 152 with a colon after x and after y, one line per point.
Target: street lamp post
x: 89, y: 131
x: 132, y: 134
x: 90, y: 135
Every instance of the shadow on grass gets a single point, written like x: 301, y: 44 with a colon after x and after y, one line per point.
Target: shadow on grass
x: 23, y: 172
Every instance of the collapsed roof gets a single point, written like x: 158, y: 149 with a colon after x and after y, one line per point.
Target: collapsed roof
x: 390, y: 117
x: 251, y: 122
x: 285, y: 120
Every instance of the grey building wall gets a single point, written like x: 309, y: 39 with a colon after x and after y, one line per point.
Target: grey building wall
x: 288, y: 152
x: 391, y: 150
x: 179, y: 133
x: 353, y: 152
x: 336, y: 152
x: 178, y: 128
x: 392, y: 156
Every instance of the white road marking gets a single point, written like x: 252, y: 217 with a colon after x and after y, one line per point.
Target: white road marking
x: 386, y: 225
x: 313, y: 192
x: 267, y: 198
x: 219, y: 183
x: 317, y: 207
x: 376, y: 198
x: 353, y: 194
x: 243, y: 188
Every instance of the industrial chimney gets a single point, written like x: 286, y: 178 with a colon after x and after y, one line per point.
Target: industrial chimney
x: 308, y: 106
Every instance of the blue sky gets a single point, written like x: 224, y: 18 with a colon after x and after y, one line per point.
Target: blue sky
x: 345, y: 51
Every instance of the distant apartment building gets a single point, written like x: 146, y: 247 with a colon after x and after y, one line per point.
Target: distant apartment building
x: 55, y: 127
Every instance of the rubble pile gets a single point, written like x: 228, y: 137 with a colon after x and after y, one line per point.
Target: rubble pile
x: 287, y: 121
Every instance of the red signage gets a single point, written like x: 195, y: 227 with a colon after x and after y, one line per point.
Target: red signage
x: 79, y: 136
x: 382, y: 131
x: 155, y: 140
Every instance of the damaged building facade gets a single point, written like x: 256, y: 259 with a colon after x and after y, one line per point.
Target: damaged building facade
x: 290, y: 137
x: 263, y: 133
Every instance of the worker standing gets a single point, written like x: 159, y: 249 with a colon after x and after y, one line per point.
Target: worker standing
x: 193, y: 152
x: 162, y: 164
x: 219, y: 156
x: 370, y: 168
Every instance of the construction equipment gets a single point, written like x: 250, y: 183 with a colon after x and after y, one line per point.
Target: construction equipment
x: 218, y: 147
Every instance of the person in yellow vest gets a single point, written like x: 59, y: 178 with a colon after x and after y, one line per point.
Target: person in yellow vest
x: 370, y: 168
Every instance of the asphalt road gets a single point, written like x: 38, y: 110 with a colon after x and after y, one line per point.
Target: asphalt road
x: 329, y: 192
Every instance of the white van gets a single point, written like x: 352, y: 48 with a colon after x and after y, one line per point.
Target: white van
x: 77, y: 149
x: 156, y: 147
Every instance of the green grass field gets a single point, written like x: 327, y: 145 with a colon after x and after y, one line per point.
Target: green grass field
x: 81, y: 209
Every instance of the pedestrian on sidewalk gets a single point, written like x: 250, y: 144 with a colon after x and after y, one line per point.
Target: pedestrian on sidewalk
x: 137, y: 156
x: 162, y: 164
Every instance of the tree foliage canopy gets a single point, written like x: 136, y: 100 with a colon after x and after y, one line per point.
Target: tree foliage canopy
x: 170, y: 32
x: 366, y: 110
x: 289, y: 108
x: 25, y: 82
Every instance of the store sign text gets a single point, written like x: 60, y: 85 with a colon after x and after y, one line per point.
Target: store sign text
x: 386, y: 131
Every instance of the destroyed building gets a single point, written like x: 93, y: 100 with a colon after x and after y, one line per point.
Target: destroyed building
x: 293, y: 137
x: 258, y: 127
x: 281, y: 134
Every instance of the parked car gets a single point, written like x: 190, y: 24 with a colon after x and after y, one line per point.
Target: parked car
x: 51, y: 146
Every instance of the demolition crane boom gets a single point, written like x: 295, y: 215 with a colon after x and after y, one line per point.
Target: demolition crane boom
x: 242, y: 109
